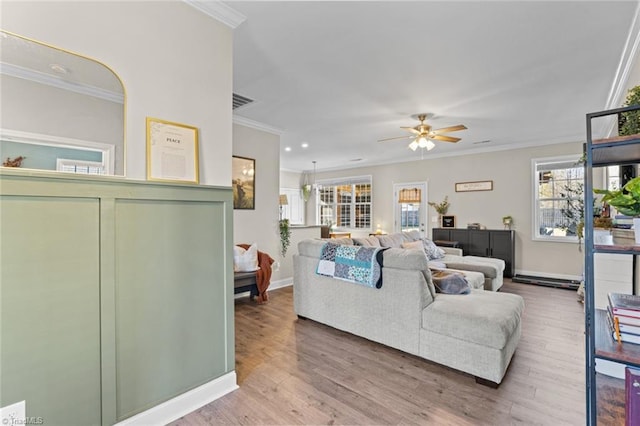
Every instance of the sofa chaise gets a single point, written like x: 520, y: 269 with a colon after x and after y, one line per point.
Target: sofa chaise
x: 476, y: 333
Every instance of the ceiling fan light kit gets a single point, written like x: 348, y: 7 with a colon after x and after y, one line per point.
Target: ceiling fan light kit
x: 424, y: 135
x: 422, y: 142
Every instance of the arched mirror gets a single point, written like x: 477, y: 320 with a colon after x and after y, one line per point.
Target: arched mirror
x: 59, y: 111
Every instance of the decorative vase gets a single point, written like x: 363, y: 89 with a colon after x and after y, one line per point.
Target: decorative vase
x: 636, y: 229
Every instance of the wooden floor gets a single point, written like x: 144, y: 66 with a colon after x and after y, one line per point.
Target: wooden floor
x: 301, y: 372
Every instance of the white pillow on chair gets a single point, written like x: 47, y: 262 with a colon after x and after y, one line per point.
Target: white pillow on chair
x: 245, y: 260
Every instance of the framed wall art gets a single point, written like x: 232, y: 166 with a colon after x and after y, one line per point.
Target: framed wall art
x: 243, y: 173
x: 448, y: 221
x: 172, y: 151
x: 483, y: 185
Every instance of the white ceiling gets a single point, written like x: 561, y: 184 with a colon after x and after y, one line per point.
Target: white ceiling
x: 341, y: 75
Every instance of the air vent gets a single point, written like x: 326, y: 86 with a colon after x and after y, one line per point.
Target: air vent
x: 239, y: 101
x: 481, y: 142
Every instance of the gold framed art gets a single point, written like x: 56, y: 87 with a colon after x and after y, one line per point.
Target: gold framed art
x: 482, y: 185
x: 172, y: 151
x: 243, y: 174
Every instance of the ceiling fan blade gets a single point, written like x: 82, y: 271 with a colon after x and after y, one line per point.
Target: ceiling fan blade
x: 399, y: 137
x: 445, y: 138
x: 411, y: 129
x: 451, y: 129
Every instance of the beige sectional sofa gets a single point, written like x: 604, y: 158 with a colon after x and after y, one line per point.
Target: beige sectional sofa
x: 476, y: 333
x: 491, y: 268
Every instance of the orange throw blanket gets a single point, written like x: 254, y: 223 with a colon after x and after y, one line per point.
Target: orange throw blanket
x: 263, y: 275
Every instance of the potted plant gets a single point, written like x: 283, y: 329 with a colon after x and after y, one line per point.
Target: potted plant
x: 285, y: 236
x: 629, y: 122
x: 507, y: 221
x: 627, y: 201
x: 306, y: 191
x: 441, y: 208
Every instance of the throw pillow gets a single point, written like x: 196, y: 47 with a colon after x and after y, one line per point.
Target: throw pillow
x: 413, y: 245
x: 450, y: 282
x: 367, y: 242
x: 433, y: 252
x: 245, y: 260
x: 413, y: 235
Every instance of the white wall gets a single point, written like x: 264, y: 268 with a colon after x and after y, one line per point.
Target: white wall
x: 511, y: 174
x: 174, y: 61
x: 290, y: 179
x: 260, y: 225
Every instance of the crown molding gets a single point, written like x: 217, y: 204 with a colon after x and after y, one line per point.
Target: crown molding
x: 53, y: 81
x: 219, y: 11
x: 243, y: 121
x: 630, y: 54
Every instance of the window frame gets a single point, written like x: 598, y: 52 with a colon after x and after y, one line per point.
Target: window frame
x: 535, y: 210
x: 353, y: 205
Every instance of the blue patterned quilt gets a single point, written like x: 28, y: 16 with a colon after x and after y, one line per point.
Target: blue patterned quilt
x: 356, y: 264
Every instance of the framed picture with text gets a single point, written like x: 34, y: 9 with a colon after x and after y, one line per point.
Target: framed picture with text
x: 172, y: 151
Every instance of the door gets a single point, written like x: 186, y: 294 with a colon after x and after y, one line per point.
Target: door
x: 292, y: 207
x: 410, y: 212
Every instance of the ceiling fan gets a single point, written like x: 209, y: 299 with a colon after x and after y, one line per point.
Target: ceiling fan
x: 423, y: 135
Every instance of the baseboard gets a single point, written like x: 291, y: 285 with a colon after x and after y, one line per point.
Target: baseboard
x: 547, y: 280
x: 287, y: 282
x: 185, y: 403
x: 549, y: 275
x: 281, y: 283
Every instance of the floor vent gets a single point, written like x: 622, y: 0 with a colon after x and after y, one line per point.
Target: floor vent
x: 239, y: 101
x: 546, y: 281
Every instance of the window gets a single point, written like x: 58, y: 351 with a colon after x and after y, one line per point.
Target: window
x: 613, y: 178
x: 345, y: 202
x: 79, y: 166
x: 559, y: 202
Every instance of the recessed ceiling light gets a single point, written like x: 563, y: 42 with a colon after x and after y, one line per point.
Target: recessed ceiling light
x: 304, y: 145
x: 288, y: 148
x: 60, y: 69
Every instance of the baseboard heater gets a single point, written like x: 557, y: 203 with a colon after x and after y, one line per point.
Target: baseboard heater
x: 546, y: 281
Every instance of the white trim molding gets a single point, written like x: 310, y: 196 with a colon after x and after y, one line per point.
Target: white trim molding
x: 286, y: 282
x: 247, y: 122
x: 218, y: 11
x: 627, y: 59
x: 185, y: 403
x: 59, y: 83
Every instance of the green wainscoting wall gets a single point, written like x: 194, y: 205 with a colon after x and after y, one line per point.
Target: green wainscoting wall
x: 115, y: 295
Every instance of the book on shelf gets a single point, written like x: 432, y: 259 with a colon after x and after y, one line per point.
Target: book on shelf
x: 632, y: 396
x: 623, y: 221
x: 624, y: 304
x: 626, y: 337
x: 623, y: 319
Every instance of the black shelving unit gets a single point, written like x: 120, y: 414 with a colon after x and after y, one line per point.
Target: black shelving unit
x: 619, y: 150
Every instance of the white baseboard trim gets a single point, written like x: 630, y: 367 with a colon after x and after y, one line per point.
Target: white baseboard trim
x: 185, y: 403
x: 281, y: 283
x: 548, y: 275
x: 273, y: 286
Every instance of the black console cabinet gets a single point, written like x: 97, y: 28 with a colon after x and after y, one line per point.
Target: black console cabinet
x: 484, y: 242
